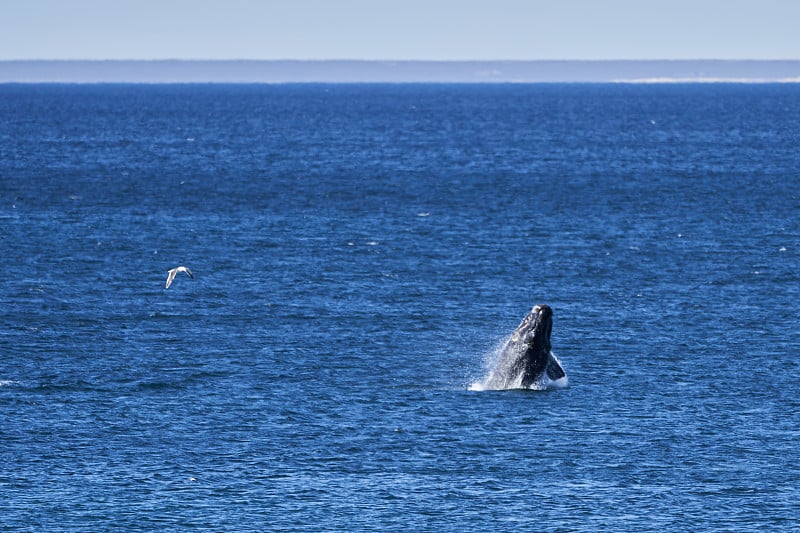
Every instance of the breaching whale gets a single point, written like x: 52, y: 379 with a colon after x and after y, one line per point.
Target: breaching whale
x: 526, y: 360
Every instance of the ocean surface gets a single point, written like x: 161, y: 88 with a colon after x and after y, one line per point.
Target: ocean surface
x: 359, y: 253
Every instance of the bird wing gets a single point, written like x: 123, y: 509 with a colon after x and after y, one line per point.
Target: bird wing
x: 170, y: 277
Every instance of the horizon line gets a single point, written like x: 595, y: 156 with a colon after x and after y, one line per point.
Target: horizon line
x: 389, y: 60
x: 396, y: 71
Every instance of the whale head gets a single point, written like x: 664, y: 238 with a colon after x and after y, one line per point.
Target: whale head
x: 535, y: 329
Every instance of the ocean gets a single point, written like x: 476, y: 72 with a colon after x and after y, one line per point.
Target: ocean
x: 359, y: 253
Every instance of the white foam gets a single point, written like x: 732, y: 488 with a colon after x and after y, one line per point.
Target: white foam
x: 541, y: 384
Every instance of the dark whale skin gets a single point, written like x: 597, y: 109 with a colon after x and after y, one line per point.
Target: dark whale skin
x: 526, y: 357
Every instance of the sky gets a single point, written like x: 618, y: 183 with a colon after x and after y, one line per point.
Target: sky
x: 400, y: 29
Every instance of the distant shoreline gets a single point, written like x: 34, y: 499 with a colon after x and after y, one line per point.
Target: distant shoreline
x: 358, y: 71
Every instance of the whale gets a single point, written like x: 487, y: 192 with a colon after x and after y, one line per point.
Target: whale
x: 526, y: 360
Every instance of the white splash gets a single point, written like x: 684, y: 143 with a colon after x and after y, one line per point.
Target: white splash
x: 490, y: 360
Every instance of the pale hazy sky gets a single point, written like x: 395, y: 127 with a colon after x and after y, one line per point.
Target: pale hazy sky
x: 400, y: 29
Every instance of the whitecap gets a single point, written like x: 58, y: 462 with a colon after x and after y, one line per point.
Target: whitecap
x: 544, y: 383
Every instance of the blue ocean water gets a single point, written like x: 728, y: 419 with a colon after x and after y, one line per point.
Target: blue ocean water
x: 359, y: 252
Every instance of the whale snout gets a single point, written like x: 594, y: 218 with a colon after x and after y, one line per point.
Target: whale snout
x: 542, y: 313
x: 541, y: 326
x: 536, y: 326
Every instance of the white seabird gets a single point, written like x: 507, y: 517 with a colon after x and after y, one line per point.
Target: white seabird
x: 171, y: 274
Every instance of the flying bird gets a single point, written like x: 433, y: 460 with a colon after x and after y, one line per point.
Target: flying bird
x: 171, y: 274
